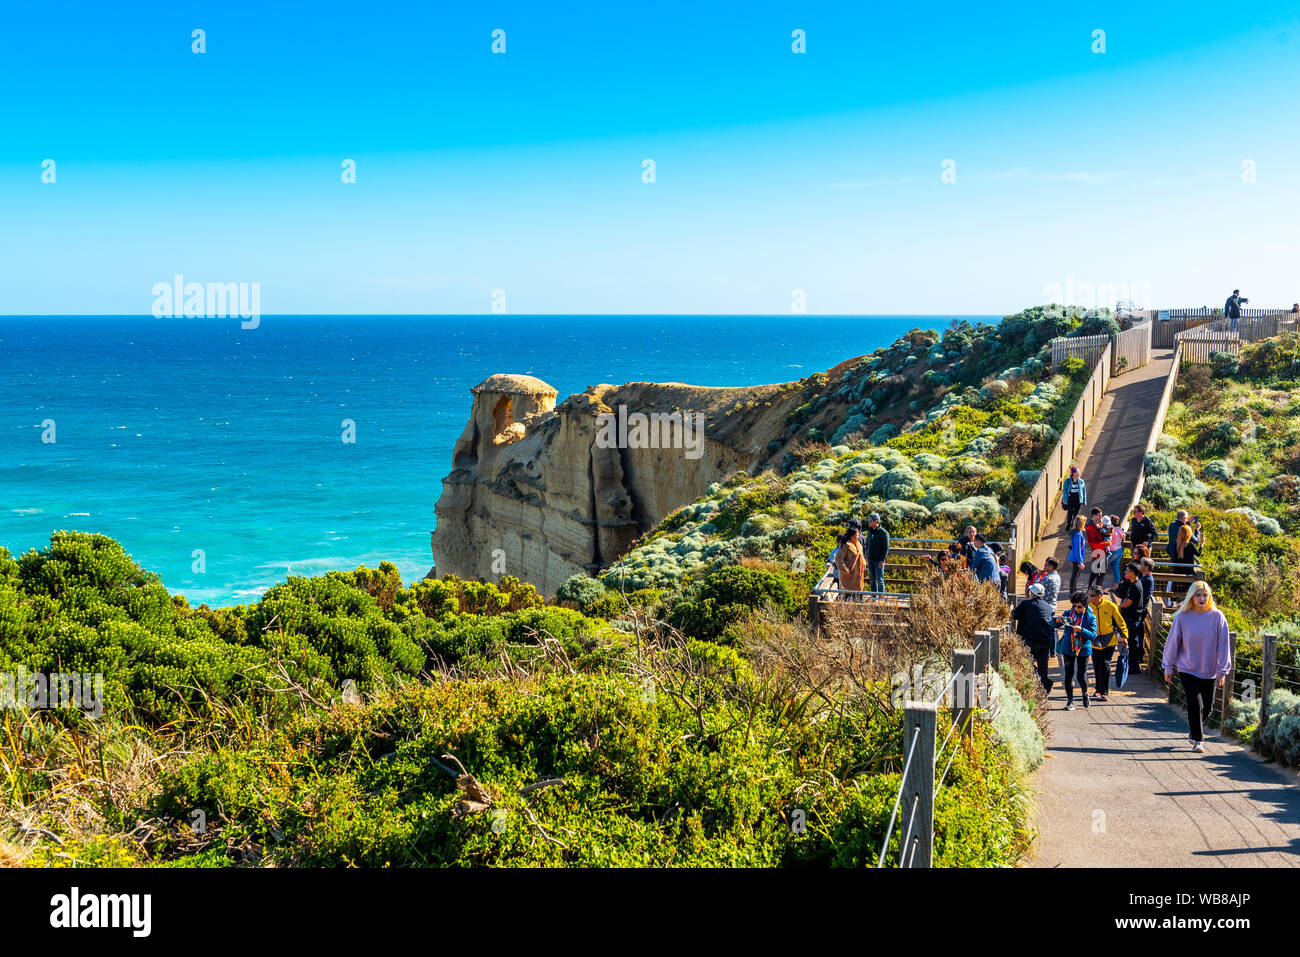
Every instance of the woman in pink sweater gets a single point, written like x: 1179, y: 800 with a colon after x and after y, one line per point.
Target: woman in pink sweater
x: 1199, y: 649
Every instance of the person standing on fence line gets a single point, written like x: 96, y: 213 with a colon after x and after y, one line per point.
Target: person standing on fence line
x: 984, y: 566
x: 1115, y: 554
x: 967, y: 544
x: 1232, y: 308
x: 1034, y: 621
x: 1078, y: 631
x: 1078, y: 541
x: 1199, y: 649
x: 877, y: 552
x: 1181, y: 520
x: 1142, y: 532
x: 849, y: 559
x: 1187, y: 549
x: 831, y: 568
x: 1074, y: 495
x: 1129, y: 596
x: 1111, y: 630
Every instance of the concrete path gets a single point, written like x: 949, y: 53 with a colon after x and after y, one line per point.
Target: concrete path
x: 1121, y: 787
x: 1110, y: 458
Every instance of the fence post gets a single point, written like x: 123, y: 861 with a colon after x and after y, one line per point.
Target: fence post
x: 1230, y: 682
x: 995, y: 647
x: 814, y: 613
x: 1268, y: 665
x: 963, y: 691
x: 917, y: 850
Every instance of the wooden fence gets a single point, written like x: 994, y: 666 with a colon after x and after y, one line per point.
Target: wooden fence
x: 1028, y: 523
x: 1131, y: 349
x: 969, y: 693
x: 1087, y: 348
x: 1225, y: 335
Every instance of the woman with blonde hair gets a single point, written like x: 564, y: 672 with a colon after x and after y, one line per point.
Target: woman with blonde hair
x: 1198, y: 647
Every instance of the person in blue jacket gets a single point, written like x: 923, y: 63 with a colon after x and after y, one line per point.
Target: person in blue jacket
x: 983, y: 563
x: 1078, y: 630
x: 1074, y: 495
x: 1076, y: 556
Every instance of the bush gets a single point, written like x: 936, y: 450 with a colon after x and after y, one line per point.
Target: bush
x: 1223, y: 364
x: 1171, y: 483
x: 900, y: 482
x: 581, y: 589
x: 1015, y: 726
x: 726, y: 596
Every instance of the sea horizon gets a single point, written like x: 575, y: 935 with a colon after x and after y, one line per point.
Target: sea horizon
x: 217, y: 457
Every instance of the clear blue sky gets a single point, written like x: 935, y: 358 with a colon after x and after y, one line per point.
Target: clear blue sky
x: 775, y: 171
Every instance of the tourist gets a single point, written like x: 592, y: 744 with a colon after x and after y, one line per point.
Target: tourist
x: 1115, y: 554
x: 1078, y: 629
x: 1077, y: 544
x: 984, y: 566
x: 1181, y: 520
x: 1199, y: 649
x: 1111, y: 629
x: 831, y: 568
x: 1097, y: 534
x: 1142, y: 532
x: 1034, y: 622
x: 850, y: 560
x: 877, y: 552
x: 1074, y: 495
x: 1004, y: 570
x: 1129, y: 595
x: 1148, y: 582
x: 966, y: 544
x: 1051, y: 580
x: 1187, y: 547
x: 1031, y: 573
x: 1232, y: 308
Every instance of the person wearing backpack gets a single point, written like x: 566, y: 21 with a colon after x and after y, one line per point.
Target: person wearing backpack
x: 1074, y: 495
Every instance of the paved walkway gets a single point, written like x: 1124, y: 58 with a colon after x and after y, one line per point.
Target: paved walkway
x: 1121, y: 787
x: 1110, y: 458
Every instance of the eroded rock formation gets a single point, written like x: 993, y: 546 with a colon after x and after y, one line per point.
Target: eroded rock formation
x: 535, y: 491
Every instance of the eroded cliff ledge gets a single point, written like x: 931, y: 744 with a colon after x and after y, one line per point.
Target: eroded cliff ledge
x: 532, y: 493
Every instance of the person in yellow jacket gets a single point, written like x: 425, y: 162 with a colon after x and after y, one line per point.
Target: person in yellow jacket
x: 1110, y: 629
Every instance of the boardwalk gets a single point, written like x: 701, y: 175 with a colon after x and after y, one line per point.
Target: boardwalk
x: 1110, y: 458
x: 1122, y: 788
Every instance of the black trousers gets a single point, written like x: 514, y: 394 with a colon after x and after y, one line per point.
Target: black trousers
x: 1039, y: 653
x: 1101, y: 669
x: 1200, y: 702
x: 1076, y: 667
x: 1072, y: 506
x: 1136, y: 631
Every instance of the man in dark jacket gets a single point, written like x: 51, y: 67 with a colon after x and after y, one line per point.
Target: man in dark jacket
x: 1148, y: 583
x: 877, y: 551
x: 1143, y: 530
x: 1232, y: 308
x: 1033, y: 619
x: 967, y: 544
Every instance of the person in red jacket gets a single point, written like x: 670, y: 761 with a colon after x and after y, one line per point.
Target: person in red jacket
x: 1098, y: 545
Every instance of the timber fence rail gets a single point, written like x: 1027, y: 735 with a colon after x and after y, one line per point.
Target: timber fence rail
x: 968, y: 690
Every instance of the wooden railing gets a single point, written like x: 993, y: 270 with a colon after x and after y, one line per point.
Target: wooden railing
x: 1131, y: 349
x: 1227, y: 335
x: 1086, y: 348
x: 1029, y: 522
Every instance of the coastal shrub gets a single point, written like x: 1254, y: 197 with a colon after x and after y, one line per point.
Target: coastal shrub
x: 1028, y: 476
x: 1276, y: 727
x: 1272, y: 359
x: 1218, y: 469
x: 1223, y: 364
x: 899, y: 511
x: 726, y: 596
x: 979, y: 510
x: 938, y: 494
x: 1170, y: 482
x: 581, y: 589
x: 900, y: 482
x: 1263, y: 523
x: 1015, y: 726
x: 861, y: 472
x: 807, y: 493
x: 883, y: 434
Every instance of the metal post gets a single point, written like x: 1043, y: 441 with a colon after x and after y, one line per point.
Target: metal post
x: 963, y: 690
x: 1267, y: 666
x: 1230, y: 682
x: 917, y: 804
x: 814, y: 613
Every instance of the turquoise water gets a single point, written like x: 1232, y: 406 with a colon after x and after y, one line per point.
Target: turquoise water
x: 177, y: 435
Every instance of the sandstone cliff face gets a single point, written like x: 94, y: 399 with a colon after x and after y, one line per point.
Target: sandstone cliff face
x: 533, y: 493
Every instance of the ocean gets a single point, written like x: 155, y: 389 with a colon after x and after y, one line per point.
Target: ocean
x: 216, y: 455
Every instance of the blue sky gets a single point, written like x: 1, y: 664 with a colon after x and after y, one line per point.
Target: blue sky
x: 775, y: 171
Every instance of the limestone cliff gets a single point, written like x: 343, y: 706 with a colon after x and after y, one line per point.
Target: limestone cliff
x: 533, y: 493
x: 537, y: 492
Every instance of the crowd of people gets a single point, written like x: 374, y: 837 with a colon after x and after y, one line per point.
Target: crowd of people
x: 1109, y: 618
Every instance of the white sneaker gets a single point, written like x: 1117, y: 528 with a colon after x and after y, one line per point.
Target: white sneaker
x: 1070, y: 706
x: 1198, y: 746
